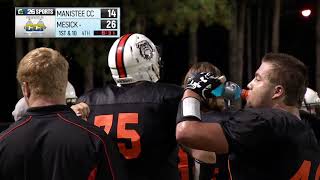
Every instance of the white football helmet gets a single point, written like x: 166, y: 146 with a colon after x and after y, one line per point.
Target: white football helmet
x: 132, y: 58
x: 311, y: 101
x: 71, y: 96
x: 20, y: 109
x: 22, y: 105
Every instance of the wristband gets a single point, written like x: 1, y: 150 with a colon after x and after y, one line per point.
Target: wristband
x: 189, y: 107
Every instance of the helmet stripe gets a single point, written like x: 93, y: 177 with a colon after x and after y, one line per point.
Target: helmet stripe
x: 119, y: 56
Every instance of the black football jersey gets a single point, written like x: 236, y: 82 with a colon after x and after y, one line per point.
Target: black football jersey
x: 271, y: 144
x: 140, y: 117
x: 53, y: 143
x: 218, y: 170
x: 313, y: 121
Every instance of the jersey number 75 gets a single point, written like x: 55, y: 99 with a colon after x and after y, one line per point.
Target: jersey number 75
x: 122, y: 132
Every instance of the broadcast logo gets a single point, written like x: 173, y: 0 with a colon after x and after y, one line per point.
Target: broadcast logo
x: 20, y: 11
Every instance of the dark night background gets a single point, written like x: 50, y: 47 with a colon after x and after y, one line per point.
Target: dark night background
x: 297, y: 37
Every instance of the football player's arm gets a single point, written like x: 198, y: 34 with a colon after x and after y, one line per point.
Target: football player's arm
x: 193, y: 133
x: 203, y: 156
x: 81, y: 109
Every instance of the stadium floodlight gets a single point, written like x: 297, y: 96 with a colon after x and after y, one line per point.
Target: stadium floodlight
x: 306, y: 12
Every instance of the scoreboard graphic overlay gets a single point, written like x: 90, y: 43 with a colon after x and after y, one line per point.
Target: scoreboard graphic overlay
x: 67, y: 22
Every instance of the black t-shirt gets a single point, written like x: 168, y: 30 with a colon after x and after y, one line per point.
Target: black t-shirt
x: 141, y: 118
x: 53, y: 143
x: 270, y: 144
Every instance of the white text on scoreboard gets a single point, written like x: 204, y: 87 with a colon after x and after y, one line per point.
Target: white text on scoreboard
x: 67, y: 22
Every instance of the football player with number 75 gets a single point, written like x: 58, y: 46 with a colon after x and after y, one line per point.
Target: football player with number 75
x: 138, y: 112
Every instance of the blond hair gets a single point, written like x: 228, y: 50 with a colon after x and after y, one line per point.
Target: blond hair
x: 46, y: 72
